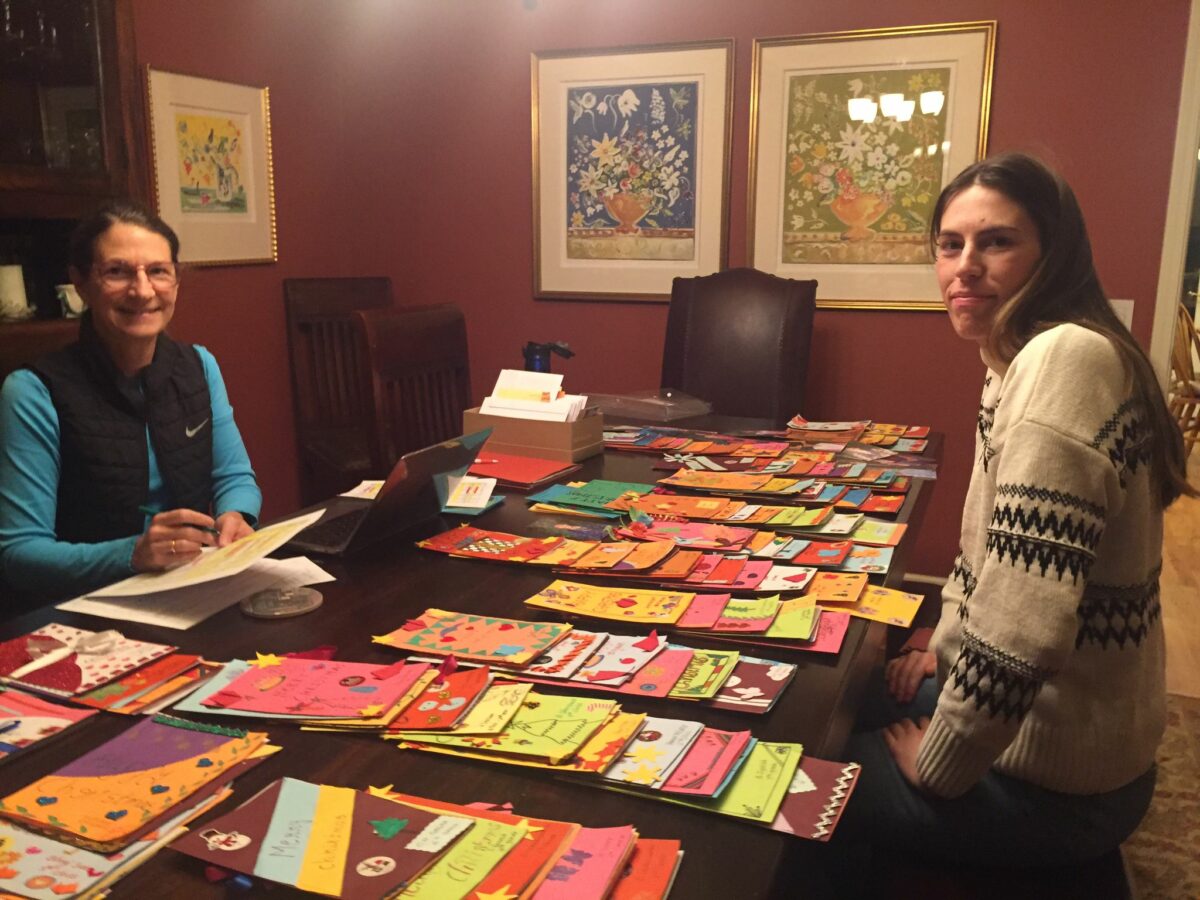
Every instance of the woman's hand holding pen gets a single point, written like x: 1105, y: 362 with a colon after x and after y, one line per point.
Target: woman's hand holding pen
x: 177, y: 536
x: 231, y: 527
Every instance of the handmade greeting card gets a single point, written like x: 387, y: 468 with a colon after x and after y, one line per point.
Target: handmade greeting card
x: 328, y: 840
x: 627, y: 605
x: 67, y: 661
x: 484, y: 638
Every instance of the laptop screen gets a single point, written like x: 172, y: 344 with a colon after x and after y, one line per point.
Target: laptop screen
x: 409, y: 496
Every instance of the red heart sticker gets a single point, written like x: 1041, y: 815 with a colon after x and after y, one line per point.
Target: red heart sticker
x: 413, y: 625
x: 625, y: 603
x: 506, y: 627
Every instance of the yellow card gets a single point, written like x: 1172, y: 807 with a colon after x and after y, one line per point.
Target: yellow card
x: 621, y: 604
x: 883, y: 605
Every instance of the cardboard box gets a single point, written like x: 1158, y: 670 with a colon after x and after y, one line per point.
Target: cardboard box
x: 566, y: 441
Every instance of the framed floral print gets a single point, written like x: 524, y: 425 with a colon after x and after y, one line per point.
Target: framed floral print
x: 213, y: 177
x: 630, y: 168
x: 853, y: 134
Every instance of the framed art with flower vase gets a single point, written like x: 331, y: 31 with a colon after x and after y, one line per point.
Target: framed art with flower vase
x: 213, y: 174
x: 630, y: 168
x: 852, y: 136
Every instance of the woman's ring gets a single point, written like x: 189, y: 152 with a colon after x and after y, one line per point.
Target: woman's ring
x: 172, y: 548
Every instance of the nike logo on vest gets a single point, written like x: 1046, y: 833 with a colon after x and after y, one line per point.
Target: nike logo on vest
x: 192, y: 432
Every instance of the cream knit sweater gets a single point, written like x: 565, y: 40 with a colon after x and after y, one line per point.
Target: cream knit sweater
x: 1050, y: 645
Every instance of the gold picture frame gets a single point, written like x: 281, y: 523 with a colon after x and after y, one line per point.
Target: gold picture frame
x: 852, y: 136
x: 630, y: 168
x: 213, y: 172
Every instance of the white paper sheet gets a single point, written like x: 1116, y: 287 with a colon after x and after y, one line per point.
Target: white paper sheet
x: 187, y: 606
x: 213, y: 564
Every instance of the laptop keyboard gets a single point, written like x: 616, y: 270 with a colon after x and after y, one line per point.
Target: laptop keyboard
x: 334, y: 532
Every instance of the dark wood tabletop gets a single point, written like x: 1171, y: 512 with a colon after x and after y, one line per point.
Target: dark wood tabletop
x: 375, y: 593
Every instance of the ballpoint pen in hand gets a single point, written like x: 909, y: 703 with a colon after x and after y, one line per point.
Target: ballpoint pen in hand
x: 147, y: 511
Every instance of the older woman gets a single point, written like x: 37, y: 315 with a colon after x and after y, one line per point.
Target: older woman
x: 1026, y: 733
x: 119, y: 454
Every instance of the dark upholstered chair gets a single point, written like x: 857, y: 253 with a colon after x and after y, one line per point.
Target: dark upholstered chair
x: 740, y: 339
x: 333, y: 405
x: 416, y: 364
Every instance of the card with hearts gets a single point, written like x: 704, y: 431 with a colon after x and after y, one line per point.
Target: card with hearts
x: 485, y: 638
x: 314, y: 688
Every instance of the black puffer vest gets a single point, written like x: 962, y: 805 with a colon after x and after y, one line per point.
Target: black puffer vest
x: 103, y: 415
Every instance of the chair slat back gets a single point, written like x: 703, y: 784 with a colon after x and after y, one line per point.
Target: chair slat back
x: 416, y: 360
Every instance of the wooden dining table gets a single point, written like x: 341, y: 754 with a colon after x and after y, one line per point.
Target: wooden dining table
x: 377, y: 591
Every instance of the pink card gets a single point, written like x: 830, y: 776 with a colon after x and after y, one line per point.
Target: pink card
x: 704, y: 568
x: 751, y: 575
x: 831, y: 631
x: 588, y: 870
x: 310, y: 687
x: 703, y: 611
x: 657, y: 677
x: 707, y: 762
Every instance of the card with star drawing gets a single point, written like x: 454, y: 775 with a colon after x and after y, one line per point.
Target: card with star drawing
x: 655, y: 751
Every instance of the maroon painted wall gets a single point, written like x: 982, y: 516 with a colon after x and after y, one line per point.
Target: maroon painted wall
x: 402, y: 147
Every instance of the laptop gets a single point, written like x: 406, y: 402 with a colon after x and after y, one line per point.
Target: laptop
x: 411, y: 494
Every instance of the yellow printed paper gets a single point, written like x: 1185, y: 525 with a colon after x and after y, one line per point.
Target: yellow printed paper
x: 545, y: 727
x: 467, y: 862
x: 328, y: 841
x: 623, y: 605
x: 213, y: 564
x: 883, y: 605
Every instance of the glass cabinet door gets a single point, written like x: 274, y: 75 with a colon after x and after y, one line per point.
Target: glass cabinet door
x: 50, y: 86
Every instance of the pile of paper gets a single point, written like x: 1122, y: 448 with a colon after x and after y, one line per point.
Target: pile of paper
x: 329, y: 695
x: 533, y: 395
x: 26, y: 720
x: 727, y: 772
x: 424, y: 848
x: 644, y: 665
x: 117, y: 792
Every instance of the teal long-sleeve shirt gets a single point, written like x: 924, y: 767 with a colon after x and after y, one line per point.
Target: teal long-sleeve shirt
x: 32, y: 558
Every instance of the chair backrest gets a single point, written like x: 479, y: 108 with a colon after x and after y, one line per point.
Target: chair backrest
x: 740, y: 340
x: 416, y: 363
x: 1187, y: 343
x: 327, y: 361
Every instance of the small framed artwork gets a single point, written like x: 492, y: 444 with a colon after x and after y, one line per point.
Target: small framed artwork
x: 630, y: 168
x: 853, y: 134
x: 213, y: 177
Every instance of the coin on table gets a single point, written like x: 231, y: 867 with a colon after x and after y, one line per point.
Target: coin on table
x: 279, y: 603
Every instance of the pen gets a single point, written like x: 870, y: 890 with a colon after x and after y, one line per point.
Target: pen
x: 147, y: 511
x: 480, y: 460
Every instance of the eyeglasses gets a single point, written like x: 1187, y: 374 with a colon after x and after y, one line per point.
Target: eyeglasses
x: 119, y: 275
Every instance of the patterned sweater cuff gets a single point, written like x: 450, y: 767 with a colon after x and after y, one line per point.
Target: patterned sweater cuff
x: 948, y: 764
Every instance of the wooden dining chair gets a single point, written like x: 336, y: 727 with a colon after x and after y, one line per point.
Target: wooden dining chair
x: 333, y: 405
x: 1184, y: 393
x: 740, y: 340
x: 416, y: 364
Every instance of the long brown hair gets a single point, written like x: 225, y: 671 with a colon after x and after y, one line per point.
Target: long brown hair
x: 1065, y: 288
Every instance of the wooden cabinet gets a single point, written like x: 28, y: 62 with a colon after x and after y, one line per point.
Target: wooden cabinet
x: 71, y: 128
